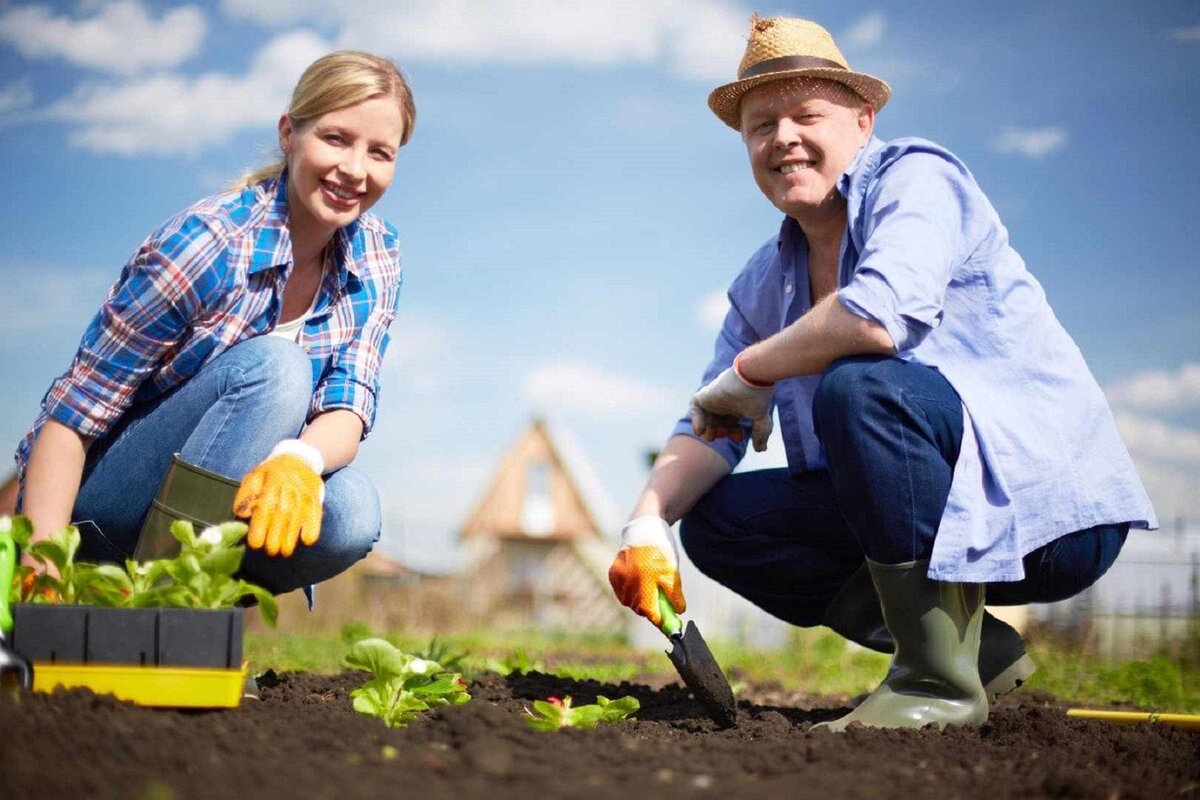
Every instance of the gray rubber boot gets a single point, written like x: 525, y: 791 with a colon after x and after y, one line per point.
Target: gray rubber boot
x: 855, y: 614
x: 934, y: 674
x: 189, y: 493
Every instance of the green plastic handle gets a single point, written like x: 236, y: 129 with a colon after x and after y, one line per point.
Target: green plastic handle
x: 671, y: 624
x: 8, y: 562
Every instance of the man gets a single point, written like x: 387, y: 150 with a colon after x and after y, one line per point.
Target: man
x: 945, y: 439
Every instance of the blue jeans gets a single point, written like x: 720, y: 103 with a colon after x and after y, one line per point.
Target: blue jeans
x: 891, y: 432
x: 226, y: 419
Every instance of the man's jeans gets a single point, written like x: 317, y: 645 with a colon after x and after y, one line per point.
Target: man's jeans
x: 226, y: 419
x: 891, y: 432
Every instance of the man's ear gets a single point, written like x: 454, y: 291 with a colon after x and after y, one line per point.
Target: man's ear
x: 866, y: 121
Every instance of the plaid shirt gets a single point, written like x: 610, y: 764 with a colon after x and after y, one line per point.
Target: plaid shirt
x: 212, y: 277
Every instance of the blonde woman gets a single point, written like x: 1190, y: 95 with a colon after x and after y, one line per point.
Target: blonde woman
x: 242, y: 343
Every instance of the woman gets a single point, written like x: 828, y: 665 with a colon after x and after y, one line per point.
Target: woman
x: 246, y: 336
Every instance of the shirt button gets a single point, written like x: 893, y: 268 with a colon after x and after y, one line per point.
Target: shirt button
x: 788, y: 288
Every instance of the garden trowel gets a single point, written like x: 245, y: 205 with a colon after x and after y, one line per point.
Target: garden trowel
x: 13, y: 666
x: 696, y: 665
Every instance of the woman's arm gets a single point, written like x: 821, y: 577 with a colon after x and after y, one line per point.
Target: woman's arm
x: 52, y: 479
x: 335, y: 434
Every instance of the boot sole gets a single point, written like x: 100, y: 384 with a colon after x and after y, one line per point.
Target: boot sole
x: 1009, y: 679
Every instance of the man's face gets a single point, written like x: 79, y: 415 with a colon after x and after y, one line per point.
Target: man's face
x: 801, y: 135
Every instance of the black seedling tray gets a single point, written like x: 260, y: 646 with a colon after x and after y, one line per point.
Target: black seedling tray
x: 163, y: 637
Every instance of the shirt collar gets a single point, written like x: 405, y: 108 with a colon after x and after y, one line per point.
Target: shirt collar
x: 273, y: 244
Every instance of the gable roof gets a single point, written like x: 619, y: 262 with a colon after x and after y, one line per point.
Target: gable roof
x: 535, y: 493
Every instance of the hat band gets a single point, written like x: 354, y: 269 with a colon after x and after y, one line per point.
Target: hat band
x: 789, y: 62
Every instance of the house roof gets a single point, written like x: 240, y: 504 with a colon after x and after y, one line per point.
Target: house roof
x: 535, y: 493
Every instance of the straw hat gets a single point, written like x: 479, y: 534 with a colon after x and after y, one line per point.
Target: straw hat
x: 791, y: 48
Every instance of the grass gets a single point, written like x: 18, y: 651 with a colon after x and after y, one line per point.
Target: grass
x: 814, y: 661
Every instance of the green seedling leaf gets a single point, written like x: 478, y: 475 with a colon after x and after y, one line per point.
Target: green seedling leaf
x: 554, y: 714
x: 402, y: 686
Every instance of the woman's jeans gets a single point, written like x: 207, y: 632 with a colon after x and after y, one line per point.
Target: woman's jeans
x: 891, y: 431
x: 226, y: 419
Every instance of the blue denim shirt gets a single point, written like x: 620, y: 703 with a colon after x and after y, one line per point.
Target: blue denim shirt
x: 926, y: 256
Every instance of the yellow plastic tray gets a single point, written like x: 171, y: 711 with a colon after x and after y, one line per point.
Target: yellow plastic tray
x: 177, y: 687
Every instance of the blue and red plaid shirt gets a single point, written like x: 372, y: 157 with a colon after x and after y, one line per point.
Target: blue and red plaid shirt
x: 214, y: 276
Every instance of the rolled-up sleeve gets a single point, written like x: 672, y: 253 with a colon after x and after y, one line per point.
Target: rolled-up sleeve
x: 352, y: 381
x: 735, y: 336
x: 145, y: 315
x: 915, y: 220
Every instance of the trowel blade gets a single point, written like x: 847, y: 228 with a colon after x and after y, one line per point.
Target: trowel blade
x: 702, y: 675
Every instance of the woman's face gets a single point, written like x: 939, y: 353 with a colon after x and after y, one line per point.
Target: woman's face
x: 800, y: 136
x: 340, y: 163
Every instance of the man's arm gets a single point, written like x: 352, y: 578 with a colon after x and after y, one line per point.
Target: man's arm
x: 682, y: 474
x: 809, y: 345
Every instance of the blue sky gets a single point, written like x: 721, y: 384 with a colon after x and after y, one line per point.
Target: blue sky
x: 571, y: 212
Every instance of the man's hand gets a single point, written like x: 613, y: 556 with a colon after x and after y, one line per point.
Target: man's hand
x: 646, y: 562
x: 728, y: 398
x: 282, y: 499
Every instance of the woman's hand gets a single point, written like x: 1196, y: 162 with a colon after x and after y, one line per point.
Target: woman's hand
x: 282, y: 498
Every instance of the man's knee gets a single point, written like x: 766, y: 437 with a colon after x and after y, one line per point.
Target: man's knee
x: 847, y: 385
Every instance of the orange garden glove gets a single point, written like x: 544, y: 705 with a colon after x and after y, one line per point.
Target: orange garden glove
x: 646, y: 562
x: 282, y: 498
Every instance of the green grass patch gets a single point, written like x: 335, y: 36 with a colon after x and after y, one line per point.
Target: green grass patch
x: 814, y: 660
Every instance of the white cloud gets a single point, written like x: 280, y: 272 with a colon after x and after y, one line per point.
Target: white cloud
x: 1153, y: 440
x: 15, y: 96
x: 420, y: 355
x: 710, y: 311
x: 701, y: 39
x: 1031, y: 142
x: 1191, y: 34
x: 868, y: 31
x: 169, y: 114
x: 37, y: 299
x: 121, y: 38
x: 1160, y: 390
x: 574, y: 386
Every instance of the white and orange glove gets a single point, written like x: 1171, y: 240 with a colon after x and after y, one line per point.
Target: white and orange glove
x: 721, y: 404
x: 647, y: 561
x: 282, y: 498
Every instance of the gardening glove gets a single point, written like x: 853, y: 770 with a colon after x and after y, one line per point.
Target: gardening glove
x: 647, y: 561
x: 730, y: 397
x: 282, y: 498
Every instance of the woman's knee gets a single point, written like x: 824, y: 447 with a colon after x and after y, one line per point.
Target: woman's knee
x: 352, y: 513
x: 278, y: 372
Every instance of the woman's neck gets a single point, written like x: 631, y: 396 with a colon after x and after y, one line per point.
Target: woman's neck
x: 309, y: 238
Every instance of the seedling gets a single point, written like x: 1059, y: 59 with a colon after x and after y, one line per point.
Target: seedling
x: 201, y: 576
x: 554, y: 714
x: 401, y: 686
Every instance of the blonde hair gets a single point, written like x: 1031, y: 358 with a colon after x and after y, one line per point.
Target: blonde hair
x: 338, y: 80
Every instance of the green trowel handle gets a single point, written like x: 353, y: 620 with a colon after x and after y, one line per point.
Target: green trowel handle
x: 671, y: 623
x: 8, y: 562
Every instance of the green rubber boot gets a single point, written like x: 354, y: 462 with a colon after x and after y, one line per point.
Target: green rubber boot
x: 934, y: 675
x: 855, y: 614
x: 189, y: 493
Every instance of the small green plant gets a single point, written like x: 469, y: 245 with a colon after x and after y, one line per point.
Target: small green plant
x: 401, y: 685
x: 201, y: 576
x: 518, y: 660
x: 554, y: 714
x: 443, y: 653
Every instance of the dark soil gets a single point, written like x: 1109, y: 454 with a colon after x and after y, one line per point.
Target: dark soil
x: 302, y: 740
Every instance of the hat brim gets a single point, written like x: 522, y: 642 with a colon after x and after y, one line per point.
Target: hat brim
x: 725, y: 100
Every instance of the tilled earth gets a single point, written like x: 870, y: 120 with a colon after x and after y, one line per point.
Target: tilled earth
x: 303, y: 740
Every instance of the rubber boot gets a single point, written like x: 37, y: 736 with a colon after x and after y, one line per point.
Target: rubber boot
x: 190, y: 493
x: 855, y: 614
x: 934, y: 674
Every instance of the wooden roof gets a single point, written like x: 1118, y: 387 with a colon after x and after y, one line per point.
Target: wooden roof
x: 532, y: 495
